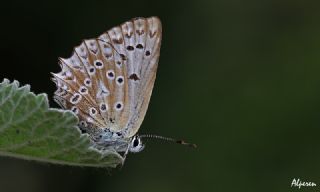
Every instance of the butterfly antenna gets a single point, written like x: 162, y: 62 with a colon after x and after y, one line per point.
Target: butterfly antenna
x: 182, y: 142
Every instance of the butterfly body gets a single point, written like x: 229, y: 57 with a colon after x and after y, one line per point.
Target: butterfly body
x: 108, y: 82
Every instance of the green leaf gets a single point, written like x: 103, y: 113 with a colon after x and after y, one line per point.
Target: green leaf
x: 29, y: 129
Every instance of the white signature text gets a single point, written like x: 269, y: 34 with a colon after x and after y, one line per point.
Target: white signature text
x: 299, y: 183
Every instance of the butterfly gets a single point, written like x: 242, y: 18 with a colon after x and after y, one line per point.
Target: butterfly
x: 108, y: 82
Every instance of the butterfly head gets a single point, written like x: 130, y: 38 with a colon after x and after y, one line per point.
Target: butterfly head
x: 136, y: 144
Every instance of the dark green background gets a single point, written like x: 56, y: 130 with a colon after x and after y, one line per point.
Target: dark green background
x: 239, y: 78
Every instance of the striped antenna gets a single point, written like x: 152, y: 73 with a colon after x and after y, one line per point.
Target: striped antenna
x: 182, y: 142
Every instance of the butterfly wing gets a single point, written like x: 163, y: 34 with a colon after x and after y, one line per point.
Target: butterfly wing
x: 144, y: 35
x: 109, y: 80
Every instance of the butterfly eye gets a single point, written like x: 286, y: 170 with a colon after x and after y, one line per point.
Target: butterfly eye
x: 135, y: 142
x: 136, y: 145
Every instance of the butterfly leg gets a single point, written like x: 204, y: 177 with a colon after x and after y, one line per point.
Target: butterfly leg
x: 124, y: 157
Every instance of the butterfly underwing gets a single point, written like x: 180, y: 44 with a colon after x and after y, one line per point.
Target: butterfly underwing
x: 108, y: 82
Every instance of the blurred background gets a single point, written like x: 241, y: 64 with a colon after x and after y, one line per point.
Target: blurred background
x: 241, y: 79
